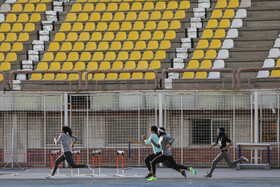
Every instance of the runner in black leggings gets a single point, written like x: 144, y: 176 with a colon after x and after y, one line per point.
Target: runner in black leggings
x: 165, y: 141
x: 64, y: 138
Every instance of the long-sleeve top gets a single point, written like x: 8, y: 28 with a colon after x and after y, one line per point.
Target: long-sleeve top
x: 162, y: 143
x: 65, y: 140
x: 155, y: 138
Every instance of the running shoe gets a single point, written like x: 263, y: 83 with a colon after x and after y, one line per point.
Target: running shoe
x: 89, y: 166
x: 148, y: 176
x: 50, y: 177
x: 244, y: 159
x: 184, y: 174
x: 208, y: 175
x: 192, y: 171
x: 152, y: 179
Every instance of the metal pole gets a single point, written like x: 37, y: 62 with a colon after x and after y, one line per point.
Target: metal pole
x: 160, y: 110
x: 139, y: 129
x: 87, y: 133
x: 233, y: 128
x: 256, y: 124
x: 278, y: 129
x: 13, y: 136
x: 65, y: 109
x: 182, y: 150
x: 45, y: 131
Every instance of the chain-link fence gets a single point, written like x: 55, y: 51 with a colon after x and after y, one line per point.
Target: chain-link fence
x: 106, y: 121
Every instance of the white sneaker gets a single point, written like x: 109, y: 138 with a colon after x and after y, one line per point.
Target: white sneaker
x: 49, y: 177
x: 244, y: 159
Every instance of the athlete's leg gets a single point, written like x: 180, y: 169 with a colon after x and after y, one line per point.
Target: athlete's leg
x: 70, y: 161
x: 57, y: 161
x: 228, y: 160
x: 148, y: 160
x: 158, y: 159
x: 215, y: 161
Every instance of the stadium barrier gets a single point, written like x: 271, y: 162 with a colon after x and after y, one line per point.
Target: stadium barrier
x: 120, y: 153
x: 99, y: 162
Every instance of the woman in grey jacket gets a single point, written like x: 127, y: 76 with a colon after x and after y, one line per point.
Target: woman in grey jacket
x: 165, y: 141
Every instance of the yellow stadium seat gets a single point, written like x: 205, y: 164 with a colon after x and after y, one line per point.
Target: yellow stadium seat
x: 220, y: 33
x: 29, y: 8
x: 142, y: 65
x: 133, y: 36
x: 207, y: 34
x: 152, y: 45
x: 48, y: 56
x: 112, y: 7
x: 110, y: 56
x: 11, y: 18
x: 92, y: 1
x: 11, y: 57
x: 126, y: 26
x: 114, y: 26
x: 77, y: 27
x: 22, y: 1
x: 84, y: 36
x: 112, y: 76
x: 150, y: 76
x: 91, y: 46
x: 117, y: 65
x: 135, y: 55
x: 160, y: 55
x: 215, y: 44
x: 104, y: 65
x: 42, y: 66
x: 165, y: 45
x: 158, y: 35
x: 122, y: 56
x: 45, y: 1
x: 145, y: 35
x: 148, y: 6
x: 100, y: 7
x: 2, y: 57
x: 143, y: 16
x: 160, y: 6
x: 85, y: 56
x: 65, y: 27
x: 34, y: 1
x: 131, y: 16
x: 23, y: 37
x: 148, y: 55
x: 66, y: 46
x: 34, y: 18
x: 5, y: 47
x: 2, y: 37
x: 41, y: 7
x: 162, y: 25
x: 60, y: 57
x: 107, y: 16
x: 5, y: 27
x: 83, y: 17
x: 95, y: 17
x: 29, y: 27
x: 140, y: 45
x: 11, y: 37
x: 17, y: 47
x: 205, y: 64
x: 116, y: 1
x: 67, y: 66
x: 172, y: 5
x: 137, y: 75
x: 175, y: 25
x: 184, y: 5
x: 104, y: 1
x: 78, y: 46
x: 138, y: 26
x: 136, y: 6
x: 115, y: 46
x: 54, y: 66
x: 119, y: 16
x: 96, y: 36
x: 17, y: 27
x: 61, y: 76
x: 72, y: 36
x: 212, y: 24
x: 155, y: 65
x: 88, y: 7
x: 233, y: 4
x: 81, y: 1
x: 59, y: 37
x: 128, y: 46
x: 121, y: 36
x: 98, y: 76
x: 73, y: 56
x: 229, y: 14
x: 92, y: 66
x: 202, y: 44
x: 155, y: 16
x: 224, y: 24
x: 54, y: 46
x: 124, y: 7
x: 150, y: 26
x: 197, y: 55
x: 108, y: 36
x: 193, y: 64
x: 130, y: 65
x: 89, y: 27
x: 180, y: 14
x: 221, y: 4
x: 17, y: 8
x: 217, y: 14
x: 36, y: 76
x: 71, y: 17
x: 103, y: 46
x: 210, y: 54
x: 101, y: 26
x: 98, y: 56
x: 276, y: 73
x: 76, y: 7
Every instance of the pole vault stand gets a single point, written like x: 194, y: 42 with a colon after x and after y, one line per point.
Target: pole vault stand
x: 94, y: 174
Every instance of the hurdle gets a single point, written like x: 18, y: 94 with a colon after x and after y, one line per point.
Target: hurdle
x: 99, y: 162
x: 122, y: 155
x: 57, y: 153
x: 78, y: 162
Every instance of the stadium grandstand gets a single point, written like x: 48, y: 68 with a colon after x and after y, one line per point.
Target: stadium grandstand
x: 111, y: 69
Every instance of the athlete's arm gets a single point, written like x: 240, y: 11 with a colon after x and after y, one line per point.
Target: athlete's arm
x: 148, y: 141
x: 155, y: 144
x: 213, y: 145
x: 75, y: 138
x: 225, y: 148
x: 57, y: 141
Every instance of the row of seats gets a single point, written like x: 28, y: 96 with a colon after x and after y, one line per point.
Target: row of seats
x: 221, y: 4
x: 17, y: 27
x: 115, y: 1
x: 41, y: 7
x: 6, y: 47
x: 14, y: 37
x: 23, y: 18
x: 210, y: 54
x: 215, y: 44
x: 99, y: 56
x: 228, y: 14
x: 130, y: 16
x: 124, y: 7
x: 33, y: 1
x: 9, y: 57
x: 120, y: 36
x: 222, y: 24
x: 114, y: 46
